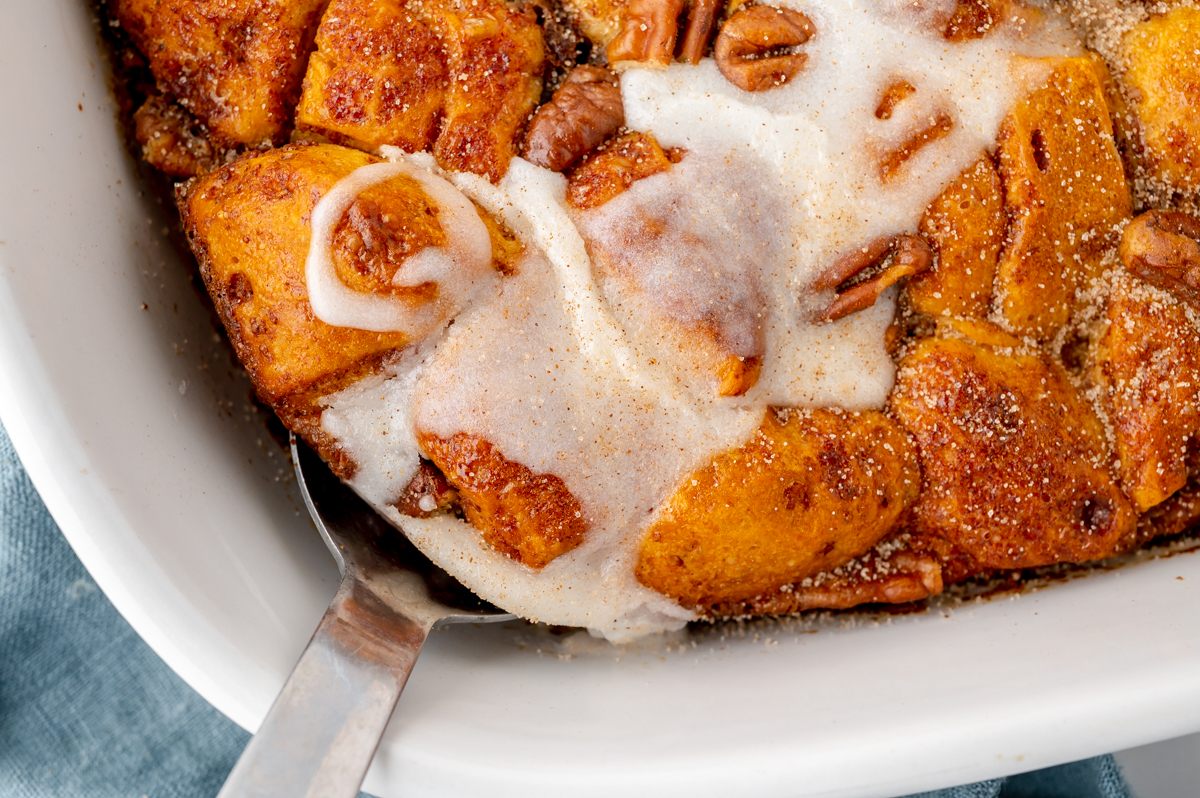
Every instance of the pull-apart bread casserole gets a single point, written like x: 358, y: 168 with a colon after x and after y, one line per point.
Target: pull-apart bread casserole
x: 636, y: 312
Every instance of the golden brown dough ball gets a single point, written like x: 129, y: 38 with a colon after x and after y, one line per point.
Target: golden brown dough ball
x: 1163, y: 89
x: 460, y: 77
x: 495, y: 56
x: 532, y: 518
x: 1148, y: 365
x: 249, y: 225
x: 1015, y: 468
x: 235, y: 64
x: 1064, y: 193
x: 378, y: 76
x: 965, y: 226
x: 804, y: 495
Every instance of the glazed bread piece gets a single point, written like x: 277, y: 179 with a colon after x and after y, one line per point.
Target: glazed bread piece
x: 1162, y: 81
x: 714, y: 324
x: 460, y: 77
x: 1016, y: 472
x: 1065, y: 196
x: 249, y: 224
x: 529, y: 517
x: 810, y: 491
x: 235, y: 64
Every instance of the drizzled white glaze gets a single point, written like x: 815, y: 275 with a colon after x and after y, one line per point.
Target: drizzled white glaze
x: 460, y: 268
x: 560, y: 371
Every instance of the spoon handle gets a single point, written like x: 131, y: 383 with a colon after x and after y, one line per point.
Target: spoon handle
x: 322, y: 731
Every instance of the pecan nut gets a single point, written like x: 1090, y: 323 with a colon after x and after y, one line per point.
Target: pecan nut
x: 583, y: 113
x: 1163, y: 248
x: 755, y: 48
x: 701, y: 23
x: 647, y: 35
x: 897, y: 256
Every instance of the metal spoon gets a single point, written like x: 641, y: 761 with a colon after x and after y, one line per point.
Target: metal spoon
x: 323, y: 729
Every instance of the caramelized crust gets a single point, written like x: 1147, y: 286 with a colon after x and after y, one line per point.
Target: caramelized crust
x: 529, y: 517
x: 495, y: 56
x: 172, y: 139
x: 1013, y: 458
x: 248, y: 223
x: 974, y: 19
x: 461, y: 78
x: 1163, y: 82
x: 965, y: 225
x: 803, y: 496
x: 1065, y: 194
x: 1148, y: 366
x: 610, y: 171
x: 377, y: 77
x: 235, y: 64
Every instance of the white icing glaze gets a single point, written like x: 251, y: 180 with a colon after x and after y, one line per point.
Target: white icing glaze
x: 562, y: 372
x: 460, y: 268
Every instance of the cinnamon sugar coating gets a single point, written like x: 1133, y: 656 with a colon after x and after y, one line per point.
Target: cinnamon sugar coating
x: 235, y: 64
x: 461, y: 78
x: 532, y: 518
x: 1015, y: 469
x: 172, y: 139
x: 805, y: 494
x: 1065, y: 196
x: 378, y: 76
x: 1163, y: 86
x: 1147, y: 364
x: 965, y: 226
x: 609, y: 171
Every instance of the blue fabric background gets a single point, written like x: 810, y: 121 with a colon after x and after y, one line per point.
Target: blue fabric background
x: 87, y: 710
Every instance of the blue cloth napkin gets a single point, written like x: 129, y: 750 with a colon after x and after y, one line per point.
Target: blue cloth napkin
x: 87, y: 710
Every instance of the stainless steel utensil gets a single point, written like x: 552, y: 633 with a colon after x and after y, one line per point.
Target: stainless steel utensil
x: 323, y: 729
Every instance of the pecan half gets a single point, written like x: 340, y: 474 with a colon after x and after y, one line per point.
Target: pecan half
x: 754, y: 49
x: 938, y: 127
x: 898, y: 256
x: 1163, y: 248
x: 584, y: 112
x: 647, y: 34
x: 701, y: 23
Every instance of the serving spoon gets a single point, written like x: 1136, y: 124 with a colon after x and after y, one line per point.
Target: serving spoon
x: 322, y: 731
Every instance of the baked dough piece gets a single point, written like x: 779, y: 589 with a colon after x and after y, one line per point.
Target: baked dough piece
x: 1163, y: 89
x: 235, y: 64
x: 807, y: 493
x: 378, y: 76
x: 1014, y: 463
x: 170, y: 139
x: 249, y: 225
x: 965, y: 227
x: 702, y: 306
x: 1065, y: 194
x: 529, y: 517
x: 1148, y: 365
x: 462, y: 77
